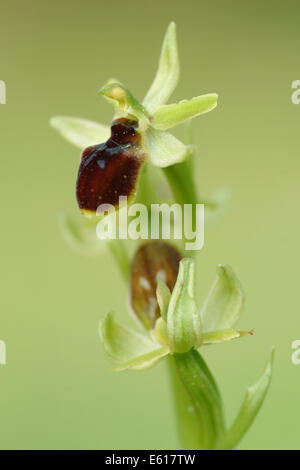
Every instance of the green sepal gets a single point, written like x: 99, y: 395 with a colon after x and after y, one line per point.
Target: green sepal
x: 167, y: 73
x: 80, y: 132
x: 222, y: 307
x: 145, y: 361
x: 128, y: 348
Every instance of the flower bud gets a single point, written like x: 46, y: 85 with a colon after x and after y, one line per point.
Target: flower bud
x: 153, y: 260
x: 111, y: 169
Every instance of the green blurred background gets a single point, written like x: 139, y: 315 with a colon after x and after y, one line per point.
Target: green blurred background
x: 56, y: 390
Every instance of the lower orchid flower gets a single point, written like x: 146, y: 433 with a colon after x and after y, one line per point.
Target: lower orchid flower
x: 174, y: 326
x: 163, y: 300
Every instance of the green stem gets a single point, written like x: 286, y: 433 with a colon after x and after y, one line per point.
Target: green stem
x: 186, y: 417
x: 181, y: 181
x: 198, y: 402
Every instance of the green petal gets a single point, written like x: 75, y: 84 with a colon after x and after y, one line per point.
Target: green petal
x: 223, y: 335
x: 253, y: 401
x: 127, y: 103
x: 171, y: 115
x: 222, y: 307
x: 127, y: 348
x: 160, y: 332
x: 164, y: 149
x: 80, y: 132
x: 80, y: 233
x: 167, y: 74
x: 183, y: 319
x: 163, y: 296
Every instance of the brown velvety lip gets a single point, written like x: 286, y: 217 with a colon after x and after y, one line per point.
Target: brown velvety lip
x: 111, y: 169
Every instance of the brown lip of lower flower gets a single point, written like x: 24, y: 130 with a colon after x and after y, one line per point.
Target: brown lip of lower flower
x: 152, y: 259
x: 110, y: 169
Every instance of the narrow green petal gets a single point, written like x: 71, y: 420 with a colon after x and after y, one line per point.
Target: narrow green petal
x: 163, y: 296
x: 171, y: 115
x: 222, y: 307
x: 160, y: 332
x: 253, y: 401
x: 223, y: 335
x: 164, y: 149
x: 167, y: 74
x: 183, y: 319
x: 80, y: 132
x: 127, y: 348
x: 127, y: 103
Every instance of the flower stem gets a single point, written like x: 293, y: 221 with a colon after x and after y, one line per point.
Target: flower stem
x: 185, y: 412
x: 181, y: 181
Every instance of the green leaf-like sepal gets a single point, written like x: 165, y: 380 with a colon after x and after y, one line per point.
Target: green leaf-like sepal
x: 223, y: 305
x: 167, y: 74
x: 183, y: 319
x: 128, y: 348
x: 80, y: 132
x: 171, y: 115
x: 253, y: 401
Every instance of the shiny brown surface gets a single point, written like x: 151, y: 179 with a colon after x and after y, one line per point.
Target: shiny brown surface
x: 110, y: 170
x: 151, y: 259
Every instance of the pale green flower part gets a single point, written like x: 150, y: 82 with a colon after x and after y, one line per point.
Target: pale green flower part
x: 80, y: 132
x: 182, y: 325
x: 154, y: 115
